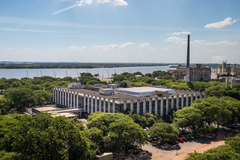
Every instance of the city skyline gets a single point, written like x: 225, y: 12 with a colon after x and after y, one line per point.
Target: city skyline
x: 120, y: 31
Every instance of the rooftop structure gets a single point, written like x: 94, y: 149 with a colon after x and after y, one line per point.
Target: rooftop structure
x: 143, y: 91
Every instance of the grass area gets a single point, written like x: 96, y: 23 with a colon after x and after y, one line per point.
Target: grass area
x: 1, y: 96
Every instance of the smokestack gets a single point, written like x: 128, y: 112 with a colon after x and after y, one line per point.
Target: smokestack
x: 188, y: 51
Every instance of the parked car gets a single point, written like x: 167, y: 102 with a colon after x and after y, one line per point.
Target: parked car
x: 180, y: 140
x: 233, y: 126
x: 149, y: 140
x: 185, y: 139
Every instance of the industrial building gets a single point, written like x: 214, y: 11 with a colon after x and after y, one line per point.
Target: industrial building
x: 189, y: 72
x: 137, y: 99
x: 229, y: 69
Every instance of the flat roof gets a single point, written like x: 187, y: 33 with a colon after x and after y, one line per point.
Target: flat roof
x: 121, y: 97
x: 43, y: 109
x: 66, y: 114
x: 143, y: 89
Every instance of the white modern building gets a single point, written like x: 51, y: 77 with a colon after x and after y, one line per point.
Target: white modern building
x: 138, y: 99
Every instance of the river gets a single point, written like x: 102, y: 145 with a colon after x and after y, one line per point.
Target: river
x: 103, y: 72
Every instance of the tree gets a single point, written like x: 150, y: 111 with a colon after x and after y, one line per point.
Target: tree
x: 118, y: 78
x: 188, y: 117
x: 120, y: 129
x: 229, y: 151
x: 45, y: 137
x: 190, y: 85
x: 217, y: 91
x: 70, y: 79
x: 96, y: 75
x: 4, y: 108
x: 19, y: 98
x: 42, y: 96
x: 123, y: 84
x: 167, y: 132
x: 213, y: 111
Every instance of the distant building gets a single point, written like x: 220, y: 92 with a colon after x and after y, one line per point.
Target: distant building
x: 228, y: 69
x: 189, y: 72
x: 198, y: 73
x: 74, y: 86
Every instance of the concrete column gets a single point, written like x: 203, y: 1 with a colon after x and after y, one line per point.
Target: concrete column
x: 65, y: 92
x: 53, y: 94
x: 104, y: 105
x: 191, y: 99
x: 125, y: 105
x: 71, y: 99
x: 172, y: 101
x: 182, y: 105
x: 100, y: 105
x: 150, y: 105
x: 95, y: 103
x: 156, y: 105
x: 204, y: 95
x: 57, y: 96
x: 74, y: 100
x: 144, y: 106
x: 91, y: 103
x: 60, y: 96
x: 55, y: 90
x: 187, y: 101
x: 200, y: 95
x: 77, y: 100
x: 88, y: 104
x: 113, y: 106
x: 109, y: 111
x: 131, y: 105
x: 167, y: 105
x: 196, y: 96
x: 177, y: 102
x: 138, y: 106
x: 68, y: 98
x: 84, y: 102
x: 161, y: 108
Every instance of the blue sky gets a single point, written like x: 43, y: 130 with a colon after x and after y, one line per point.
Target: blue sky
x: 153, y: 31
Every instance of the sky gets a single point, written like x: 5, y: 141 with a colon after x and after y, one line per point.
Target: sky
x: 145, y: 31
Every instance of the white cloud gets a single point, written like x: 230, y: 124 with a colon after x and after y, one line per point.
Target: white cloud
x: 77, y: 4
x: 114, y: 46
x: 80, y: 3
x: 73, y: 48
x: 120, y: 3
x: 227, y: 43
x: 179, y: 33
x: 198, y: 42
x: 226, y: 22
x: 65, y: 9
x: 104, y: 1
x: 143, y: 45
x: 127, y: 45
x: 176, y: 40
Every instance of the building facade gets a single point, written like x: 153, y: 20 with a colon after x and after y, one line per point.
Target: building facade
x: 198, y: 73
x: 229, y: 69
x: 91, y: 101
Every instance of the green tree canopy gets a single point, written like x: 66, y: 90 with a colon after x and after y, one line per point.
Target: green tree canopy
x: 188, y: 118
x: 119, y: 130
x: 45, y: 137
x: 167, y: 132
x: 19, y: 97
